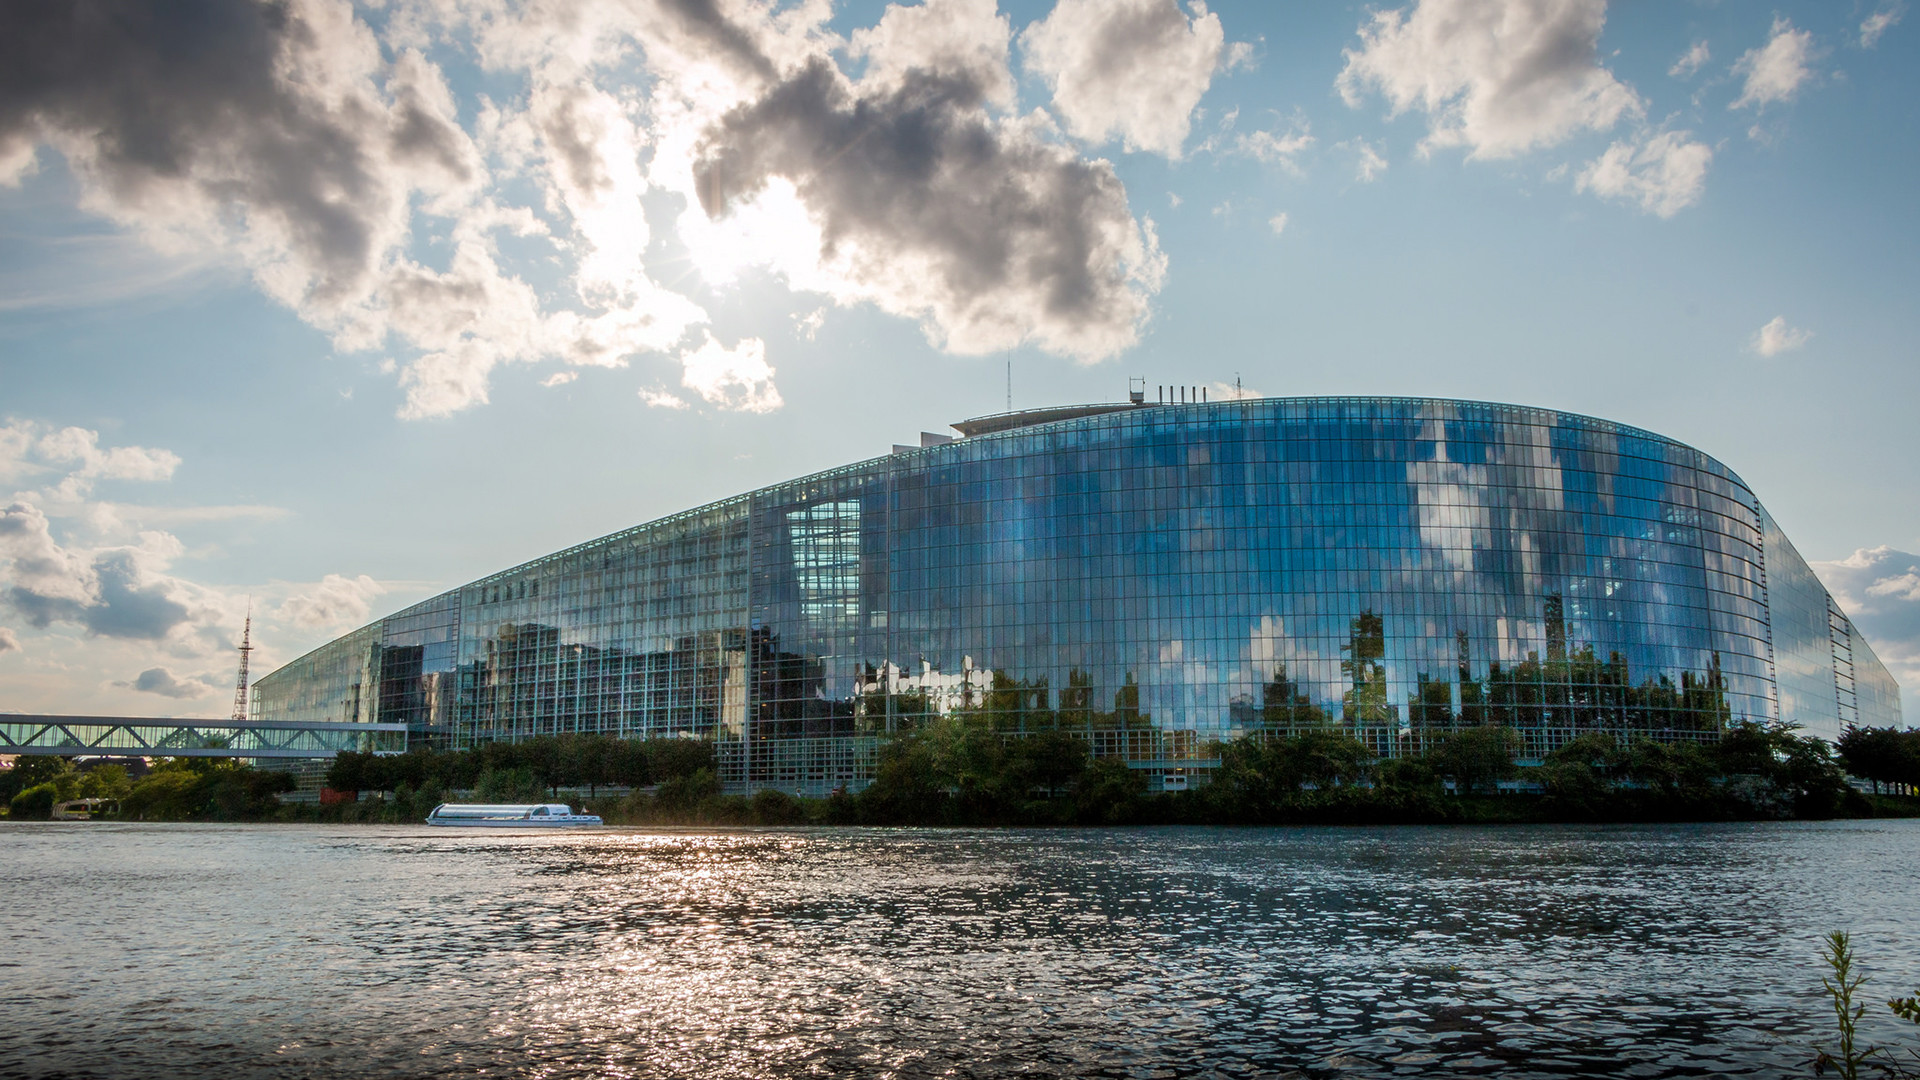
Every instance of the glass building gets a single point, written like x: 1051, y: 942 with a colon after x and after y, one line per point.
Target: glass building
x: 1155, y: 578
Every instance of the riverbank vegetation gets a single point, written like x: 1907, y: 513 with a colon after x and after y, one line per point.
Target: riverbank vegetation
x: 958, y: 771
x: 171, y: 789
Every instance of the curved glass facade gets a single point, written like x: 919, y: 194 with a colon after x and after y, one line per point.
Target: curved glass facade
x: 1155, y: 578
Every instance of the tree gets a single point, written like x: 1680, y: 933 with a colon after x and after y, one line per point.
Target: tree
x: 1475, y: 758
x: 672, y: 758
x: 1675, y: 770
x: 1582, y: 770
x: 542, y: 755
x: 1881, y: 755
x: 1260, y: 777
x: 597, y: 755
x: 1109, y: 792
x: 906, y: 785
x: 1325, y: 758
x: 105, y: 782
x: 349, y: 771
x: 1053, y: 759
x: 685, y: 794
x: 32, y: 770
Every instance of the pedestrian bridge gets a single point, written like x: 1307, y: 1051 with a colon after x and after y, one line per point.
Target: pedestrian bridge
x: 157, y: 736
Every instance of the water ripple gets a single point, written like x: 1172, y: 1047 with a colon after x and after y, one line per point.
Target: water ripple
x: 135, y: 951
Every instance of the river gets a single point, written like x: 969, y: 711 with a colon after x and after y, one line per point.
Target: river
x: 316, y: 951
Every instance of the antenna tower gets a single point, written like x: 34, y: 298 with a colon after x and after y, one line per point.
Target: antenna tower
x: 240, y: 688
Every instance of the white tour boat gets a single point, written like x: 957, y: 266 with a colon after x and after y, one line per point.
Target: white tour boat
x: 510, y: 816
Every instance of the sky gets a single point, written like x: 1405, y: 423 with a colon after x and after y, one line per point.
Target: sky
x: 317, y: 309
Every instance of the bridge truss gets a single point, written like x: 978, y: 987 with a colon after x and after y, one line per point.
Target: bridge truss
x: 146, y: 736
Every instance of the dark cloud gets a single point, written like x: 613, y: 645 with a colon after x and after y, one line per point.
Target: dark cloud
x: 123, y: 609
x: 703, y: 21
x: 163, y: 682
x: 232, y: 102
x: 42, y: 611
x: 978, y: 226
x: 127, y: 610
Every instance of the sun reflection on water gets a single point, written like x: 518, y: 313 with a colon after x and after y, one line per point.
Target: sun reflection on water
x: 917, y: 953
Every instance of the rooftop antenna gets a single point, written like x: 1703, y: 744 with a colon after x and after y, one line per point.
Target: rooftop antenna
x: 240, y: 688
x: 1009, y: 380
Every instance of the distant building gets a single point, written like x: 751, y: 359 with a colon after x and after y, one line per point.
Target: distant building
x: 1154, y: 577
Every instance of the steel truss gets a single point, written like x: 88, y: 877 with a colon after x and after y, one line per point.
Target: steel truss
x: 145, y: 736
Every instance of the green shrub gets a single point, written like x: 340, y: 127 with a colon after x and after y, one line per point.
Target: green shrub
x: 32, y: 770
x: 1475, y: 758
x: 771, y: 806
x: 683, y: 795
x: 35, y: 803
x: 1109, y: 793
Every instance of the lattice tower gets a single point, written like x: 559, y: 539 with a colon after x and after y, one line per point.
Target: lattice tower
x: 240, y: 688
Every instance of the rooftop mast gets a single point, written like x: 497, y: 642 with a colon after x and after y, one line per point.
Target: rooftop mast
x: 240, y: 688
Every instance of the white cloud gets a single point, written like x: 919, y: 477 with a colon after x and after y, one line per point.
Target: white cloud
x: 1879, y: 23
x: 809, y: 325
x: 1273, y: 149
x: 335, y: 602
x: 159, y: 680
x: 943, y: 38
x: 1904, y: 587
x: 1229, y: 392
x: 661, y: 399
x: 559, y: 378
x: 9, y: 641
x: 1775, y: 71
x: 736, y: 379
x: 1278, y: 223
x: 72, y: 458
x: 1368, y: 163
x: 1777, y: 337
x: 1879, y: 589
x: 1135, y: 69
x: 1663, y: 173
x: 1499, y: 77
x: 1691, y: 61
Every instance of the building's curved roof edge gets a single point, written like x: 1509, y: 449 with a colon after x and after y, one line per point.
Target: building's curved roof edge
x: 1022, y: 420
x: 1044, y: 419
